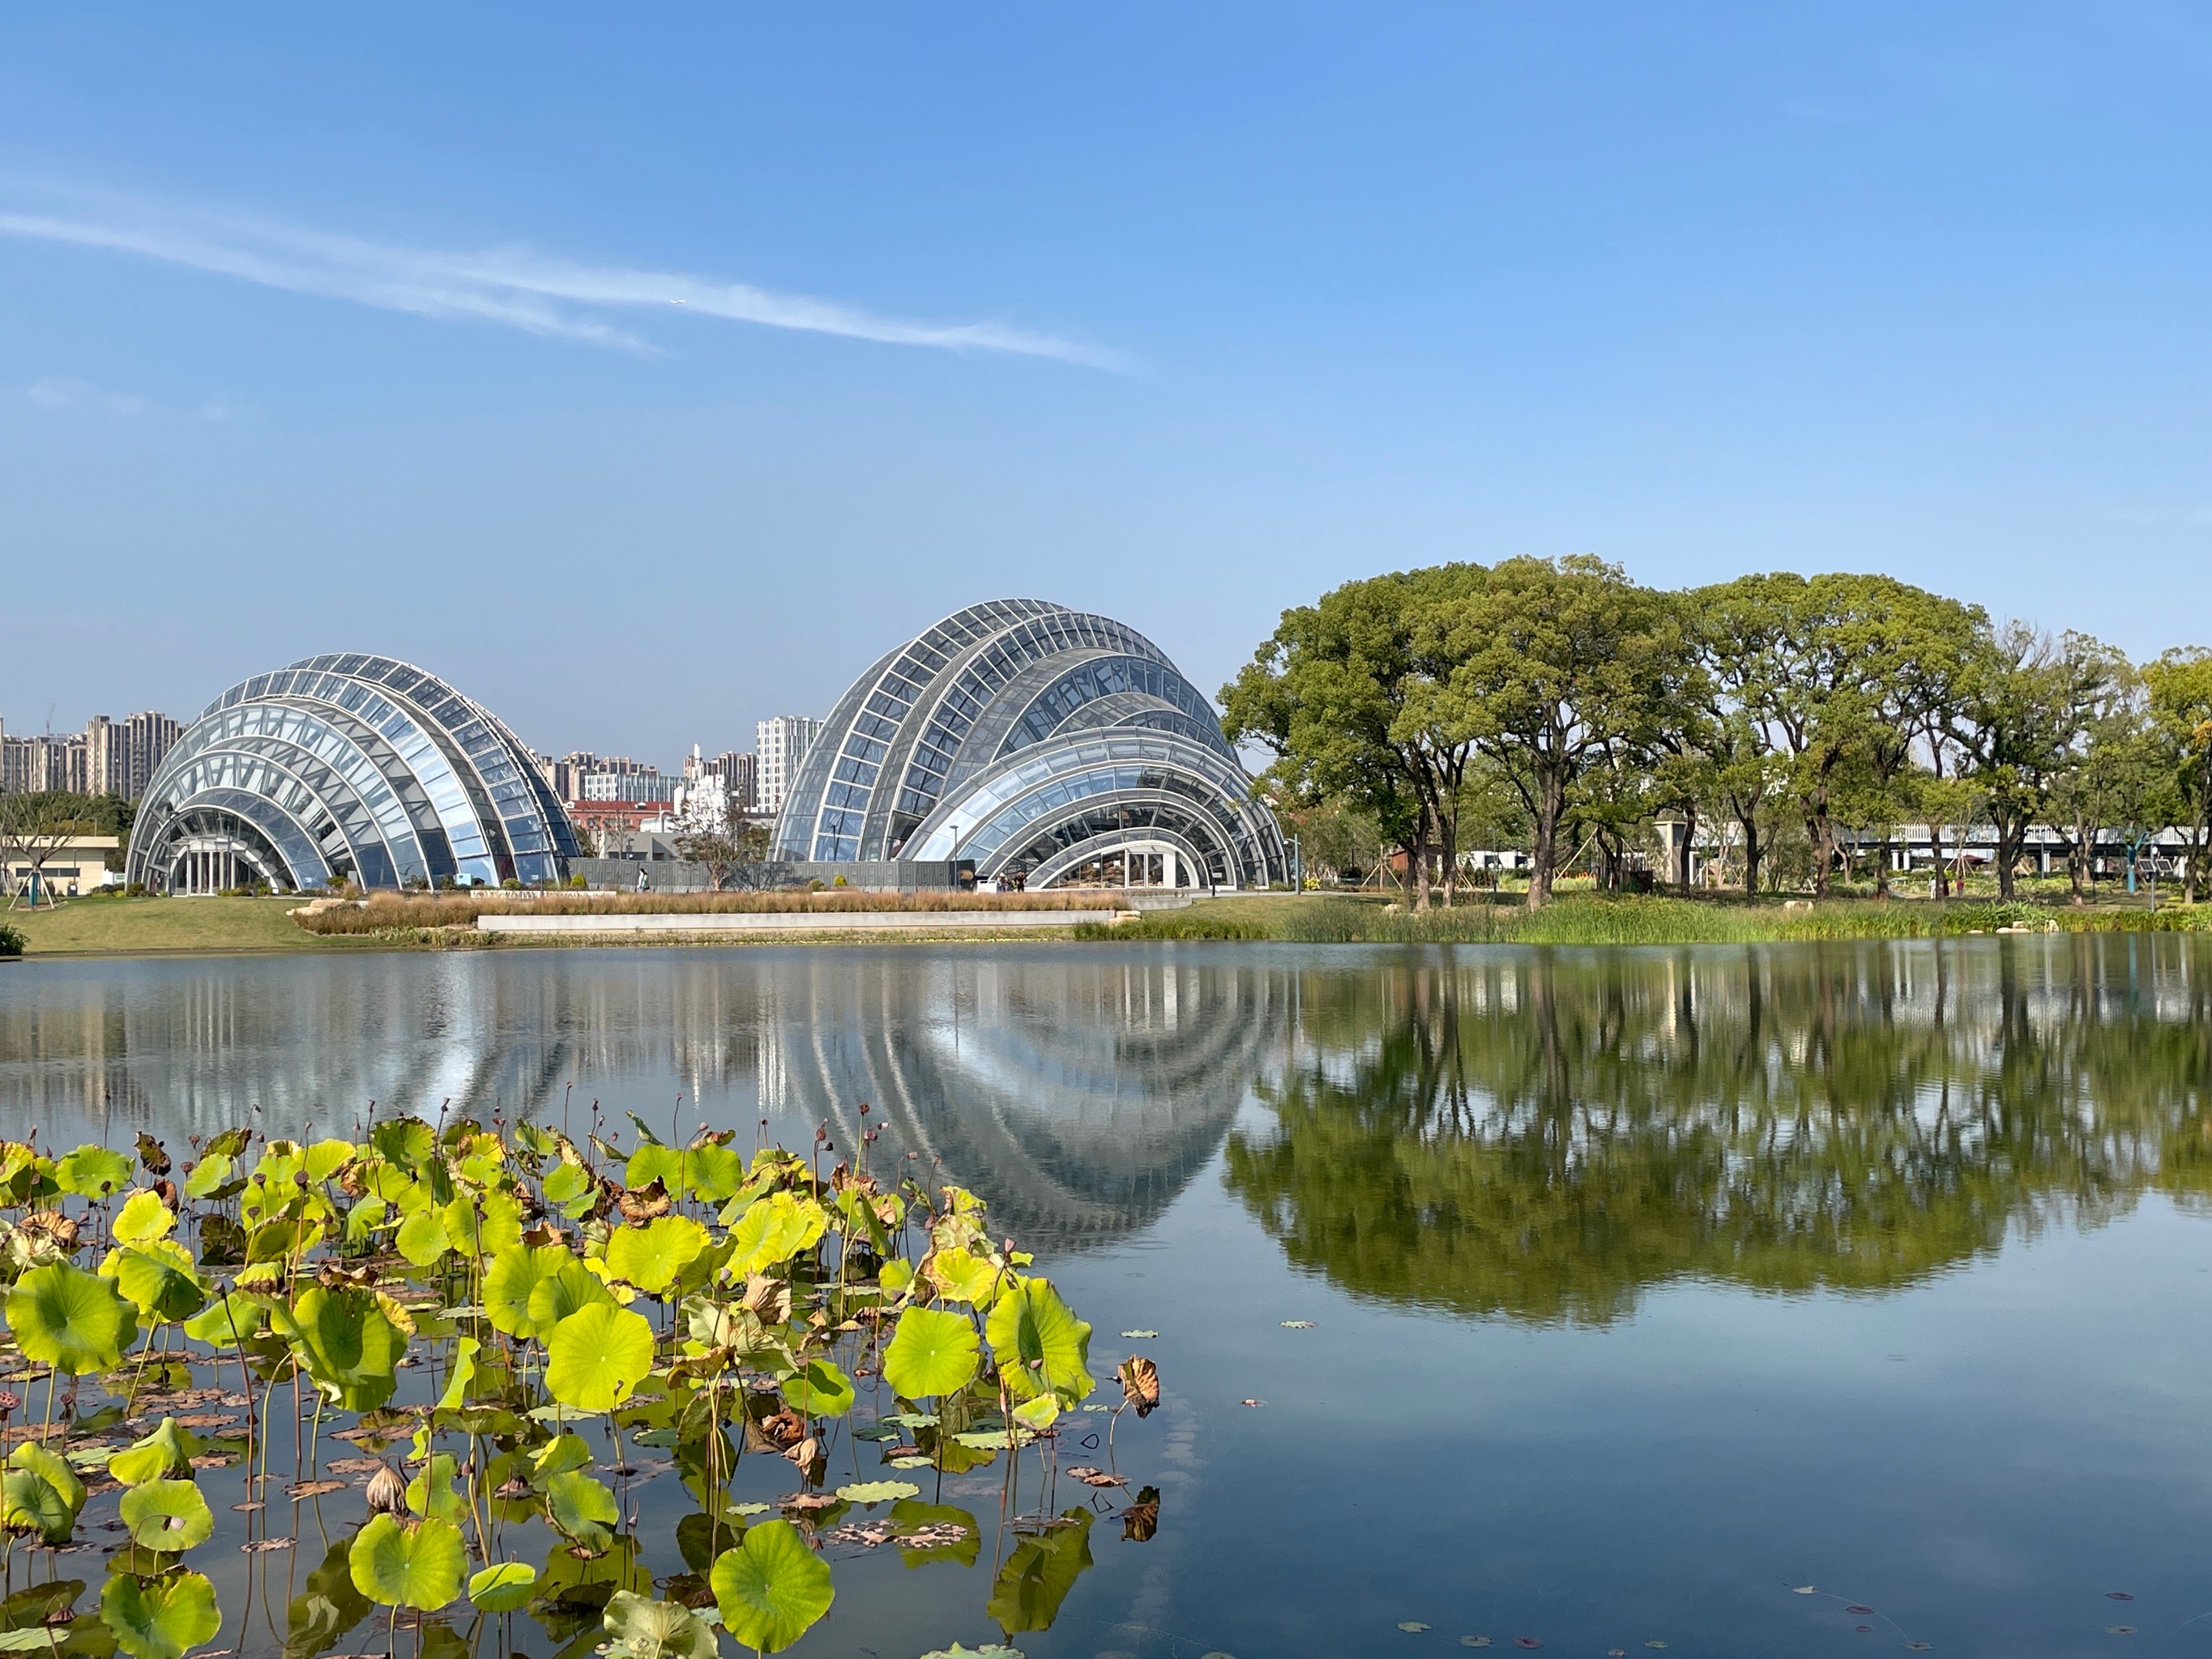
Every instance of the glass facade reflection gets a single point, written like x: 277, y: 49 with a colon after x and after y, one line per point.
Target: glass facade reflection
x: 348, y: 767
x: 1050, y: 746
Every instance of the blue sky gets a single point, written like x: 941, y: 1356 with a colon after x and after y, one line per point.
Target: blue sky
x: 647, y: 370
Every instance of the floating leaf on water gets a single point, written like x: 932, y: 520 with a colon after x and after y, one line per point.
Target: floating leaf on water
x: 1919, y: 1647
x: 313, y: 1488
x: 1092, y: 1477
x: 996, y: 1650
x: 1655, y: 1644
x: 1413, y: 1625
x: 260, y: 1546
x: 1475, y: 1641
x: 805, y: 1501
x: 2109, y: 1629
x: 1527, y: 1642
x: 2118, y: 1595
x: 1251, y: 1402
x: 1855, y: 1608
x: 1297, y: 1324
x: 771, y: 1589
x: 1807, y: 1590
x: 878, y: 1492
x: 1141, y: 1336
x: 911, y: 1463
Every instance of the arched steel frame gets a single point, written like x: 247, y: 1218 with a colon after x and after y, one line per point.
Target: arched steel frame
x: 357, y: 766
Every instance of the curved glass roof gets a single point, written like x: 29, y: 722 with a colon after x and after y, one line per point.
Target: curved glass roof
x: 961, y: 742
x: 357, y: 767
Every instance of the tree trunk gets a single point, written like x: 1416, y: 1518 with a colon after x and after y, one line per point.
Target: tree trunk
x: 1544, y: 844
x: 1448, y: 835
x: 2011, y: 834
x: 1750, y: 823
x: 1881, y: 866
x: 1421, y: 860
x: 1682, y: 852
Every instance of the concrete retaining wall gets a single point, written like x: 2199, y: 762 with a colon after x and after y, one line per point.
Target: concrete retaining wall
x: 793, y: 922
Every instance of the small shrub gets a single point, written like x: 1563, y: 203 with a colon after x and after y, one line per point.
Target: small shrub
x: 11, y: 942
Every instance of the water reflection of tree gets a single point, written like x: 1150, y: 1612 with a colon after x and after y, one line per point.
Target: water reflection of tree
x: 1544, y: 1134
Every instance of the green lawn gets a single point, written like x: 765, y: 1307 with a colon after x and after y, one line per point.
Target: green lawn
x: 142, y: 926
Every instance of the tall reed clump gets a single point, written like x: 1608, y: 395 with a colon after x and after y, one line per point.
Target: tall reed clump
x: 1591, y: 919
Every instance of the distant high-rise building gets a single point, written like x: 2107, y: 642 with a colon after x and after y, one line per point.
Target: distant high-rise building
x: 740, y: 775
x: 783, y: 742
x: 108, y: 757
x: 639, y: 784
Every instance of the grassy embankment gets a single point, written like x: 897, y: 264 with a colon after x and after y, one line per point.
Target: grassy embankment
x: 157, y: 927
x: 1584, y: 919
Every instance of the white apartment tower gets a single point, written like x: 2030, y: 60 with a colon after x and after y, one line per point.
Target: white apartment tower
x: 782, y: 744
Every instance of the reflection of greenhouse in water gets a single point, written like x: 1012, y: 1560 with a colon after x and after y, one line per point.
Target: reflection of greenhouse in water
x: 1077, y: 1092
x: 1076, y: 1095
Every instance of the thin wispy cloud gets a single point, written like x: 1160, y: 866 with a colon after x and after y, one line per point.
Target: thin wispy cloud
x: 515, y: 287
x: 64, y: 394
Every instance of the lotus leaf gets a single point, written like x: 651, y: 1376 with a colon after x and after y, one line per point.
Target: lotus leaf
x: 157, y: 1276
x: 1038, y: 1415
x: 212, y: 1170
x: 669, y: 1165
x: 818, y: 1389
x: 596, y: 1356
x: 407, y: 1141
x: 92, y: 1171
x: 1040, y: 1344
x: 961, y: 1275
x: 159, y: 1618
x: 421, y: 1238
x: 563, y: 1453
x: 895, y: 1276
x: 569, y: 1189
x: 771, y: 1589
x: 167, y: 1515
x: 572, y: 1288
x: 509, y: 1282
x: 646, y: 1629
x: 143, y: 1217
x: 503, y: 1587
x: 346, y: 1343
x: 411, y: 1565
x: 229, y: 1320
x: 56, y: 1470
x: 432, y: 1493
x: 582, y: 1508
x: 31, y: 1502
x: 650, y: 1256
x: 716, y: 1172
x: 988, y: 1650
x: 775, y: 1230
x: 462, y: 1373
x: 69, y: 1319
x: 326, y: 1157
x: 167, y: 1451
x: 878, y: 1492
x: 933, y: 1353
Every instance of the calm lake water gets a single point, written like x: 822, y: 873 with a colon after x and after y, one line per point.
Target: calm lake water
x: 1688, y: 1296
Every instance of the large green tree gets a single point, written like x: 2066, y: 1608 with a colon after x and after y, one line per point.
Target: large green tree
x: 2027, y: 705
x: 2180, y: 685
x: 1558, y: 668
x: 1345, y: 694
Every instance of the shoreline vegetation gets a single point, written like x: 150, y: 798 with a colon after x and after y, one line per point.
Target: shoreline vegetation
x: 154, y: 927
